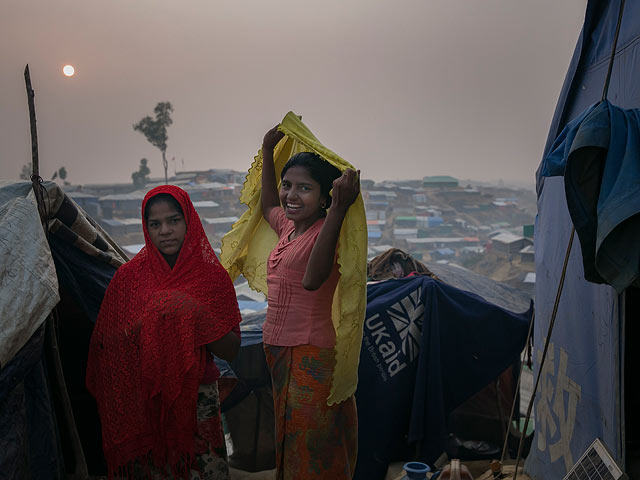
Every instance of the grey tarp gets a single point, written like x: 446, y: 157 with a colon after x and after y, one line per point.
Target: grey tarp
x: 75, y: 263
x: 28, y: 283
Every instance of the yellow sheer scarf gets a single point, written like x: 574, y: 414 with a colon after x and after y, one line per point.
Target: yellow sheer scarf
x: 246, y: 248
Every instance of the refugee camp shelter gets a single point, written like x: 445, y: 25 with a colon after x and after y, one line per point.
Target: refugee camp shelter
x: 588, y: 389
x: 429, y: 346
x: 440, y: 181
x: 508, y: 244
x: 52, y: 287
x: 402, y: 390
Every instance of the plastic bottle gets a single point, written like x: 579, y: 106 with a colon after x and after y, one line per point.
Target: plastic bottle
x: 455, y: 471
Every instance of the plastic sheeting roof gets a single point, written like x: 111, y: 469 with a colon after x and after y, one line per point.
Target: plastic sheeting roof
x: 28, y: 282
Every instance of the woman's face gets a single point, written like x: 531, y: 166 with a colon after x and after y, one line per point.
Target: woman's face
x: 167, y: 229
x: 300, y: 195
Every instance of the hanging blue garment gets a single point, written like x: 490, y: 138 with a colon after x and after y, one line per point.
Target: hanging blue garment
x: 599, y: 155
x: 555, y: 162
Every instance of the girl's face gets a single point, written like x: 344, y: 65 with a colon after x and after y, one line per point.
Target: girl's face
x: 167, y: 229
x: 300, y: 196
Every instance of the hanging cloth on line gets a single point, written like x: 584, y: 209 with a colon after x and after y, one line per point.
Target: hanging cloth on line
x: 599, y: 155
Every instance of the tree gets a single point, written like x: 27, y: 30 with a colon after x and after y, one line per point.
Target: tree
x: 62, y: 173
x: 155, y: 130
x: 25, y: 174
x: 140, y: 177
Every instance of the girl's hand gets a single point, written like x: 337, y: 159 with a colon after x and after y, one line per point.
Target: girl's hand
x: 345, y: 190
x: 271, y: 138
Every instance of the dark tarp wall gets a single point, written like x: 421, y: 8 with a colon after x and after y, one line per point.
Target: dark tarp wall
x: 28, y: 437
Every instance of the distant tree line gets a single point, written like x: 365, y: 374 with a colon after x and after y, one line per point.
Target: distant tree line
x: 27, y: 169
x: 140, y: 178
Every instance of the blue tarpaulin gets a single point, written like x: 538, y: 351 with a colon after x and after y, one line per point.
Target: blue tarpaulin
x: 427, y: 347
x: 581, y: 385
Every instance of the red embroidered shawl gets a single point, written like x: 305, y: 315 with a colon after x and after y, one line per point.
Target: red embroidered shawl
x: 146, y: 356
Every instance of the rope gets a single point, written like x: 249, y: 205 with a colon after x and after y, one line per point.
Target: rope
x: 546, y: 348
x: 516, y: 397
x: 39, y: 192
x: 605, y: 91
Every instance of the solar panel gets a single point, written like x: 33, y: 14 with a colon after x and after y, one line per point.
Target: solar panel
x: 595, y: 464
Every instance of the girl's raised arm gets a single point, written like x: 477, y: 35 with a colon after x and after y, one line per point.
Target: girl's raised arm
x: 269, y: 197
x: 345, y: 191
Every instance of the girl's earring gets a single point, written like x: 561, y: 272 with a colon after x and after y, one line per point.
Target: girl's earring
x: 323, y: 205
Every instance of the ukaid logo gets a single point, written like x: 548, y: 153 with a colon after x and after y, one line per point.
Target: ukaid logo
x: 392, y: 334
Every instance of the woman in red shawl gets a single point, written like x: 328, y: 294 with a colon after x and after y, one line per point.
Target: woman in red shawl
x: 150, y: 366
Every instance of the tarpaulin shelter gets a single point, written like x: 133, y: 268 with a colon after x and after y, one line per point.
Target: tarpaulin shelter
x: 52, y: 288
x: 475, y: 329
x: 585, y: 389
x: 427, y: 347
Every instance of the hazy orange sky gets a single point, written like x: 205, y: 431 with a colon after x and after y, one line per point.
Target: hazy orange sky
x: 402, y: 88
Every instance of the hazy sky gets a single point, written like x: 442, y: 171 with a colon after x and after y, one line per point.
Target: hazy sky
x: 401, y: 88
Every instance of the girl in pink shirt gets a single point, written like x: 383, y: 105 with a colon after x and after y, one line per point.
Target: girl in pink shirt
x: 313, y: 440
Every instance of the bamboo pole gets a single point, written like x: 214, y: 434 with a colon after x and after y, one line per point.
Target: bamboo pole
x: 35, y: 164
x: 59, y: 388
x: 36, y: 179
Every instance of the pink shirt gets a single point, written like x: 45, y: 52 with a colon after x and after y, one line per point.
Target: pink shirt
x: 296, y: 316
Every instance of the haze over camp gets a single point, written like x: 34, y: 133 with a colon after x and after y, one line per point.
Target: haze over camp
x: 421, y: 88
x: 290, y: 240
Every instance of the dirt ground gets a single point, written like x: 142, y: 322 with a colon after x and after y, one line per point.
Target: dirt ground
x: 479, y: 470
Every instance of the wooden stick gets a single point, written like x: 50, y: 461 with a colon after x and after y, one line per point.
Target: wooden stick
x: 36, y: 179
x: 35, y: 163
x: 58, y: 385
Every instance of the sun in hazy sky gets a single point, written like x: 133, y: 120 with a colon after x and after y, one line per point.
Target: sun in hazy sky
x: 68, y: 70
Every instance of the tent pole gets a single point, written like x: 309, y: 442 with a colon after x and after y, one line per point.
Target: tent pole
x: 36, y: 179
x: 32, y: 122
x: 516, y: 397
x: 554, y: 314
x: 59, y: 387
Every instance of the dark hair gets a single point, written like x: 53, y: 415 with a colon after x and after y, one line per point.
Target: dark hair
x: 319, y: 169
x: 161, y: 197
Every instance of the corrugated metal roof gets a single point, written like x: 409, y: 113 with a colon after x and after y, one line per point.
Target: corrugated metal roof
x: 507, y: 237
x: 213, y: 221
x: 205, y: 204
x: 499, y: 293
x: 130, y: 221
x: 137, y: 195
x: 75, y: 195
x: 206, y: 186
x: 112, y: 222
x: 440, y: 179
x: 133, y: 249
x: 427, y: 240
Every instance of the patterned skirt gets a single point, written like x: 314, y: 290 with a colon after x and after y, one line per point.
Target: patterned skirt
x: 313, y: 440
x: 211, y: 453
